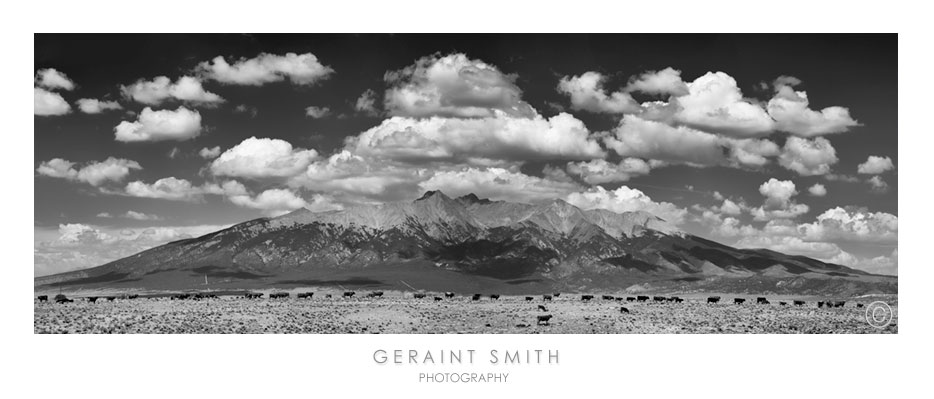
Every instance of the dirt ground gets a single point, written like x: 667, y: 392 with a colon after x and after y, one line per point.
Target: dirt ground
x: 398, y: 313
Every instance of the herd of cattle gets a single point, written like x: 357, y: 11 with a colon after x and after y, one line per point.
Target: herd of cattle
x: 61, y: 298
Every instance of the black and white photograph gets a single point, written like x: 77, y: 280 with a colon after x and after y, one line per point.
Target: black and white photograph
x: 481, y: 199
x: 465, y: 183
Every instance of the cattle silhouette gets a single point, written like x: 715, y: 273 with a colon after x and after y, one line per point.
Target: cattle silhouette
x: 859, y: 305
x: 642, y: 298
x: 630, y: 298
x: 529, y: 299
x: 838, y: 304
x: 762, y: 301
x: 542, y: 308
x: 546, y: 297
x: 494, y: 296
x: 327, y: 296
x: 61, y: 298
x: 820, y: 304
x: 608, y: 297
x: 305, y: 295
x: 586, y: 297
x: 799, y: 303
x: 437, y: 298
x: 659, y: 298
x: 543, y: 319
x: 250, y: 295
x: 111, y: 298
x: 375, y: 294
x: 449, y: 295
x: 277, y: 295
x: 739, y: 301
x: 623, y: 310
x: 675, y: 299
x: 134, y: 296
x: 420, y: 295
x: 92, y: 299
x: 713, y: 299
x: 782, y: 303
x: 475, y: 297
x: 349, y: 294
x: 43, y: 298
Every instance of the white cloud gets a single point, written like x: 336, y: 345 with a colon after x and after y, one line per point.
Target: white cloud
x: 666, y: 81
x: 625, y: 199
x: 270, y: 201
x: 261, y: 158
x: 51, y: 78
x: 210, y: 153
x: 790, y: 110
x: 161, y: 88
x: 600, y: 171
x: 366, y: 103
x: 169, y: 188
x: 878, y: 185
x: 852, y: 225
x: 500, y: 137
x: 817, y: 190
x: 779, y: 190
x: 875, y: 165
x: 317, y: 112
x: 637, y: 137
x: 94, y: 173
x: 715, y: 103
x: 181, y: 124
x: 300, y: 69
x: 778, y: 203
x: 453, y: 86
x: 808, y: 157
x: 94, y: 106
x: 497, y: 184
x: 140, y: 216
x: 587, y: 93
x: 47, y: 103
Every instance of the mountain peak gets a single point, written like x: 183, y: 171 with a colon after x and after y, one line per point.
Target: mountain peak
x: 433, y: 193
x: 473, y: 199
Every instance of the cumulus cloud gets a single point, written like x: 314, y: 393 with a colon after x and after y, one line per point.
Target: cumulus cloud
x: 74, y: 246
x: 457, y: 139
x: 625, y: 199
x: 600, y: 171
x: 778, y: 203
x: 666, y: 81
x: 852, y: 225
x: 778, y: 190
x: 181, y: 124
x: 817, y: 190
x: 47, y: 103
x: 715, y: 103
x: 637, y: 137
x: 877, y: 184
x: 262, y: 158
x: 51, y: 78
x: 317, y: 112
x: 587, y: 94
x: 875, y: 165
x: 210, y: 153
x: 300, y: 69
x: 497, y: 184
x: 94, y: 173
x: 270, y: 201
x: 94, y: 106
x: 161, y: 88
x: 366, y: 103
x: 140, y: 216
x: 808, y: 157
x: 790, y: 110
x: 354, y: 177
x: 169, y: 188
x: 453, y: 86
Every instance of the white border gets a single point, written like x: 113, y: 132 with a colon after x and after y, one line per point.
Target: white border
x: 609, y: 366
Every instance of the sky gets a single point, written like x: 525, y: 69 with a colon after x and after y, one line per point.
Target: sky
x: 786, y: 142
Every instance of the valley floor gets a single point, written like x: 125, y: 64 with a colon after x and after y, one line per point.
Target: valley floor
x: 404, y: 315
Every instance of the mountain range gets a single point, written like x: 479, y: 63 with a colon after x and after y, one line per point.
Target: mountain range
x: 468, y: 244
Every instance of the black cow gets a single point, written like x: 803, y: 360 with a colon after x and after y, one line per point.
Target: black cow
x: 659, y: 298
x: 586, y: 297
x: 642, y: 298
x: 630, y: 298
x: 546, y: 297
x: 349, y: 294
x: 375, y: 294
x: 543, y: 319
x: 542, y: 308
x: 475, y: 297
x: 676, y: 299
x: 529, y: 299
x: 799, y: 303
x: 608, y: 297
x: 111, y: 298
x: 859, y: 305
x: 762, y: 301
x: 437, y: 298
x: 92, y: 299
x: 739, y: 301
x: 419, y: 296
x: 134, y: 296
x: 327, y: 296
x: 494, y: 296
x: 302, y: 295
x: 713, y: 299
x: 557, y: 294
x: 251, y: 295
x: 43, y: 298
x: 449, y: 295
x: 820, y: 304
x: 277, y: 295
x: 839, y: 304
x: 623, y: 310
x: 61, y: 298
x: 783, y: 303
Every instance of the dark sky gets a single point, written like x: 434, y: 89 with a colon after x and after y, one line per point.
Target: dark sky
x: 79, y: 223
